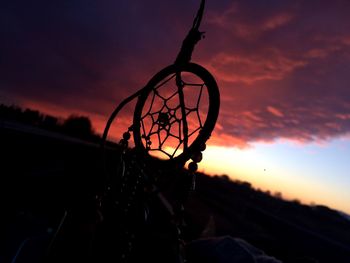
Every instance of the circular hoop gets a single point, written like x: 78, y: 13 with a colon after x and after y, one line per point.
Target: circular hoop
x: 206, y: 129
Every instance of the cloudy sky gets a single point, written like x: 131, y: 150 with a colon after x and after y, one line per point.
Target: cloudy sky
x: 283, y: 68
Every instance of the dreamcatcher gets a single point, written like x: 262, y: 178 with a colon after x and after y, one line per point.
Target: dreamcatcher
x: 174, y: 116
x: 139, y: 211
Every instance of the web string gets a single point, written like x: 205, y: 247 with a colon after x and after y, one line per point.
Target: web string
x: 165, y: 117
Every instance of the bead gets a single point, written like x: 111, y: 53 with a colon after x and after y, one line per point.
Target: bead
x: 126, y: 135
x: 197, y: 157
x: 202, y: 147
x: 192, y: 167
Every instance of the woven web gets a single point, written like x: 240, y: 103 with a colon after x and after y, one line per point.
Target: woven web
x: 162, y: 121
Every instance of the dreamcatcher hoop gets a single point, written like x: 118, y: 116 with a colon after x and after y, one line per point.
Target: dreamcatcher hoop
x: 204, y: 130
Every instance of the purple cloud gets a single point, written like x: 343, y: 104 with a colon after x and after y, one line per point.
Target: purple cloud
x: 282, y: 66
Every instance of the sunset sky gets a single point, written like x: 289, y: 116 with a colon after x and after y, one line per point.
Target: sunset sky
x: 283, y: 68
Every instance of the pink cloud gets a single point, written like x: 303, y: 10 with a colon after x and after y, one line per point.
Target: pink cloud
x: 274, y: 111
x: 282, y: 68
x: 269, y: 65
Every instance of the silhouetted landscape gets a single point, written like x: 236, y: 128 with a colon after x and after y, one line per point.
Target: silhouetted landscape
x: 50, y: 165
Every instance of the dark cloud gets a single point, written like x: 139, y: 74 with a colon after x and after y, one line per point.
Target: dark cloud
x: 283, y: 66
x: 283, y: 69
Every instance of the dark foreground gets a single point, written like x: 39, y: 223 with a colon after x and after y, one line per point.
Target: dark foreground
x: 45, y: 174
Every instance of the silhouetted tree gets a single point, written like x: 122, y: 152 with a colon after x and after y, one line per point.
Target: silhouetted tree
x: 225, y: 177
x: 10, y: 113
x: 79, y: 126
x: 278, y: 195
x: 50, y: 122
x: 296, y: 201
x: 32, y: 117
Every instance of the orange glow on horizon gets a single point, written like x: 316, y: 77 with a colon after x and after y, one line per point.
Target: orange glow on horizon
x: 247, y: 165
x: 243, y: 163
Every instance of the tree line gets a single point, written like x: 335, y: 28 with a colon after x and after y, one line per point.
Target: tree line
x: 75, y: 125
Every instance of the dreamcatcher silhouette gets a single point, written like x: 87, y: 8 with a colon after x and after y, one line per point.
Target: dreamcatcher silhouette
x: 174, y: 116
x: 160, y: 125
